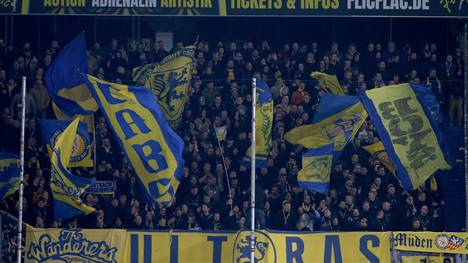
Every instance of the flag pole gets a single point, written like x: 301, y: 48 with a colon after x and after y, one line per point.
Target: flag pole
x: 252, y: 174
x: 20, y: 209
x: 225, y: 168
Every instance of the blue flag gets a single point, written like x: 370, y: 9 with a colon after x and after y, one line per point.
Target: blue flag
x: 9, y: 174
x: 316, y: 167
x: 153, y: 149
x: 81, y: 152
x: 65, y: 83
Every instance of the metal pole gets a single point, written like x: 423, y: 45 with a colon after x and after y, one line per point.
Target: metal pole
x: 225, y: 168
x: 466, y: 123
x: 95, y: 147
x: 252, y: 173
x: 20, y: 210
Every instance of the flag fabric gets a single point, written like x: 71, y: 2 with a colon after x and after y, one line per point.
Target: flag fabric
x: 410, y: 136
x: 9, y: 174
x: 221, y: 132
x: 142, y: 73
x: 64, y: 79
x: 328, y: 82
x: 88, y: 119
x: 264, y: 123
x: 152, y: 147
x: 377, y: 150
x: 316, y: 167
x: 337, y: 120
x: 170, y: 81
x: 81, y: 152
x: 66, y: 187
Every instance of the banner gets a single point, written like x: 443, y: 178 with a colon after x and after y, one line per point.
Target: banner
x: 434, y: 242
x: 444, y: 8
x: 378, y: 152
x: 170, y: 81
x: 81, y: 151
x: 411, y: 140
x: 77, y: 245
x: 153, y: 149
x: 101, y: 188
x: 96, y: 245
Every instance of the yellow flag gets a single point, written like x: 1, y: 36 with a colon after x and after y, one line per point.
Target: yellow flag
x: 409, y: 136
x: 328, y: 82
x: 377, y: 151
x: 169, y: 82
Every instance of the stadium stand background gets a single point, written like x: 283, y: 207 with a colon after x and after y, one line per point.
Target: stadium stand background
x: 202, y: 201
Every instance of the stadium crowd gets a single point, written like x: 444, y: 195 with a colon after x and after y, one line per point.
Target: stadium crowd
x: 363, y: 194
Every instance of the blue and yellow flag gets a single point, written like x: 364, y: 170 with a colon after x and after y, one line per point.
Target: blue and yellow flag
x: 316, y: 167
x: 328, y: 83
x: 170, y: 81
x: 65, y: 83
x: 410, y: 136
x: 9, y: 174
x: 66, y: 187
x: 152, y: 147
x: 264, y: 123
x: 337, y: 120
x: 377, y: 150
x: 142, y: 73
x: 81, y: 152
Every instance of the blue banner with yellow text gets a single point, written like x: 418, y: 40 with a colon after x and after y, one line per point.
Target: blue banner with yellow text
x: 152, y: 147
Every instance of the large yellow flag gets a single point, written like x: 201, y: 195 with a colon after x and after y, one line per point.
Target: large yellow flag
x: 66, y: 187
x: 170, y: 81
x: 328, y: 82
x: 337, y: 120
x: 410, y: 135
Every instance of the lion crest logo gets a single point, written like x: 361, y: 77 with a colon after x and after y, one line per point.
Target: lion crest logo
x: 265, y: 250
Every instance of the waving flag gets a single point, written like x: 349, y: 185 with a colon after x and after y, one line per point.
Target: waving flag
x: 65, y: 83
x: 169, y: 82
x: 337, y: 120
x: 264, y: 123
x: 66, y: 187
x: 328, y: 83
x: 81, y: 152
x: 152, y: 147
x: 378, y: 152
x: 9, y: 174
x: 411, y: 137
x: 316, y: 167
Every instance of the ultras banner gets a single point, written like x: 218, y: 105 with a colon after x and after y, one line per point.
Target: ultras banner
x: 60, y: 245
x: 440, y: 8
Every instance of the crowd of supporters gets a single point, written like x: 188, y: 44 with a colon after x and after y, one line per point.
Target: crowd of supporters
x: 363, y: 194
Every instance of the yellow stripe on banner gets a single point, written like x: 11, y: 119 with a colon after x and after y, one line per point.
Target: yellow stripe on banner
x: 25, y: 7
x: 222, y: 7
